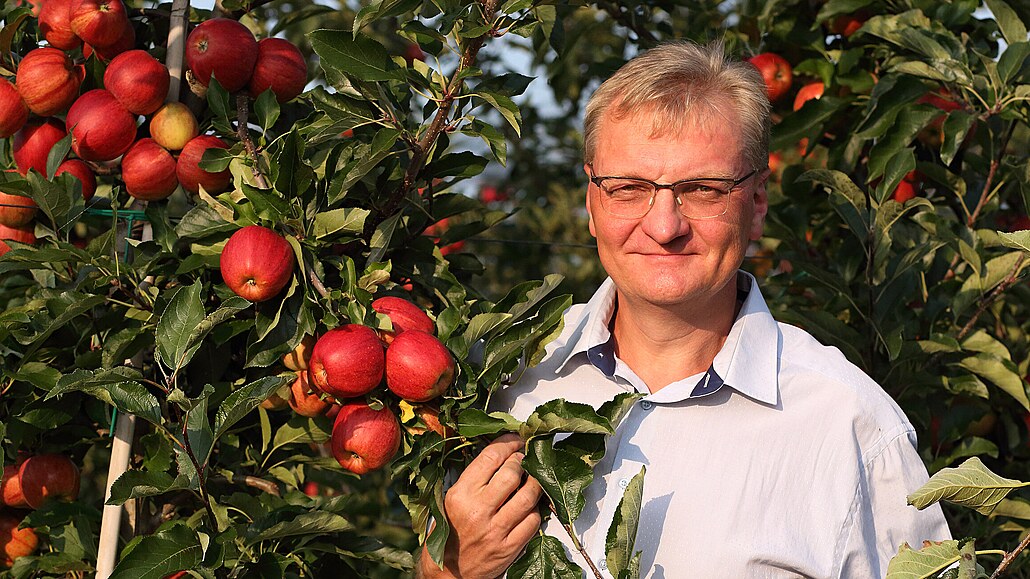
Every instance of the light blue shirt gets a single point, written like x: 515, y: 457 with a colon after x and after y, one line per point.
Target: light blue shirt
x: 783, y: 460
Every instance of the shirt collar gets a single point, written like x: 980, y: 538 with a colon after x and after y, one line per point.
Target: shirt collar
x: 748, y: 361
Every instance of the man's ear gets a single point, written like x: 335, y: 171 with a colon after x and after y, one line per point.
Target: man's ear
x: 761, y: 205
x: 590, y: 212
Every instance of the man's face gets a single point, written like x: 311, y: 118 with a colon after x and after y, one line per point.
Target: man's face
x: 666, y: 259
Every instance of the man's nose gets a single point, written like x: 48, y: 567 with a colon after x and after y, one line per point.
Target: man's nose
x: 664, y: 222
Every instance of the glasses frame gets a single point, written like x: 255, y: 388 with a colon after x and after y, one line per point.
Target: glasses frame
x: 733, y: 183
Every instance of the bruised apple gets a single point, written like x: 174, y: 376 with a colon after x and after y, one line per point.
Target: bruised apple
x: 365, y: 439
x: 347, y: 361
x: 256, y: 263
x: 418, y: 366
x: 404, y: 315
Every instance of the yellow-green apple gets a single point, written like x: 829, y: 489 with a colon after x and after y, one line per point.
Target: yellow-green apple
x: 33, y: 142
x: 173, y: 125
x: 125, y: 42
x: 304, y: 400
x: 256, y: 263
x: 280, y: 66
x: 418, y: 366
x: 191, y: 176
x: 48, y: 80
x: 55, y: 22
x: 48, y: 477
x: 776, y: 72
x: 139, y: 81
x: 297, y: 359
x: 16, y: 542
x: 907, y: 188
x: 16, y: 211
x: 365, y: 439
x: 99, y: 22
x: 24, y: 234
x: 83, y: 173
x: 13, y: 112
x: 224, y: 48
x: 404, y: 315
x: 102, y: 128
x: 347, y: 361
x: 10, y: 486
x: 148, y: 170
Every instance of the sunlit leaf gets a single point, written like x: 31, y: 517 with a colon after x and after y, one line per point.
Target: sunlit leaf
x: 970, y: 484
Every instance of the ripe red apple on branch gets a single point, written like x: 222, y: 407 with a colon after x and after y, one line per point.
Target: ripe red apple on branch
x: 48, y: 477
x: 280, y: 66
x: 347, y: 361
x: 55, y: 22
x: 256, y: 263
x: 10, y: 487
x: 139, y: 81
x: 16, y: 542
x: 404, y: 315
x: 365, y: 439
x: 99, y: 23
x: 148, y: 170
x: 13, y: 112
x: 304, y: 400
x: 83, y: 173
x: 224, y: 48
x: 776, y: 72
x: 191, y: 176
x: 16, y: 211
x: 24, y: 234
x: 32, y: 144
x: 907, y: 188
x: 297, y: 359
x: 125, y: 42
x: 48, y: 80
x: 418, y: 366
x: 102, y: 128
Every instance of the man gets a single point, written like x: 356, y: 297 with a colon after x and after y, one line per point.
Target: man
x: 767, y: 453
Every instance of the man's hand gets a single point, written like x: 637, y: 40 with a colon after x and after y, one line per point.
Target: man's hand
x: 492, y: 510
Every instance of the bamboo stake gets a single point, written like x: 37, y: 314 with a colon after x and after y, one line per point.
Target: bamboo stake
x: 125, y: 429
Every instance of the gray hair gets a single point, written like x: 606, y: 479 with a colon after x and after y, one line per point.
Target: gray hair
x: 682, y: 82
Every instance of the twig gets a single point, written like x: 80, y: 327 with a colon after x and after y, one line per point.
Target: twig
x: 256, y: 482
x: 242, y: 114
x: 1010, y: 557
x: 317, y: 283
x: 579, y: 546
x: 986, y: 303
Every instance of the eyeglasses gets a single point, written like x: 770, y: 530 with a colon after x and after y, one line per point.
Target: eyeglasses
x: 632, y: 198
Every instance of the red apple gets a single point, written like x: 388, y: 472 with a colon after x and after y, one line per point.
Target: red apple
x: 365, y: 439
x: 907, y: 188
x: 305, y: 401
x: 775, y: 162
x: 48, y: 81
x: 191, y: 176
x: 48, y: 476
x: 275, y: 402
x: 1018, y: 223
x: 491, y: 194
x: 347, y: 361
x: 24, y: 234
x: 847, y: 24
x: 16, y: 211
x: 173, y: 125
x: 139, y: 81
x: 148, y: 170
x: 256, y: 263
x: 15, y: 542
x: 776, y: 72
x: 55, y: 22
x: 224, y: 48
x: 418, y: 366
x: 812, y: 90
x: 13, y: 112
x: 413, y: 52
x: 281, y: 67
x: 11, y: 484
x: 125, y: 42
x: 404, y: 315
x: 102, y: 129
x: 99, y: 22
x: 33, y: 142
x: 83, y: 173
x: 298, y: 358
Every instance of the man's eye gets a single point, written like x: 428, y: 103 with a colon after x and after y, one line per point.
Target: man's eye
x: 628, y: 189
x: 703, y: 189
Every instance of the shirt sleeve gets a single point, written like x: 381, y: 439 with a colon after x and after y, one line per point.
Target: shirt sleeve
x: 881, y: 519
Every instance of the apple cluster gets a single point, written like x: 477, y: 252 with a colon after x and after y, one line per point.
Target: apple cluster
x: 336, y: 371
x: 51, y: 98
x: 28, y: 484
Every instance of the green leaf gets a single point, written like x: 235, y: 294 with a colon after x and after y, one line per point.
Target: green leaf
x: 971, y: 484
x: 561, y: 416
x: 924, y: 563
x: 244, y: 400
x: 474, y: 422
x: 266, y: 108
x: 1016, y: 240
x: 183, y: 314
x: 563, y: 476
x: 357, y: 56
x: 1012, y: 28
x: 117, y: 386
x: 137, y: 483
x: 171, y: 549
x: 622, y: 534
x: 312, y: 523
x: 1001, y: 372
x: 56, y: 199
x: 507, y: 107
x: 348, y: 219
x: 544, y: 558
x: 57, y: 154
x: 380, y: 9
x: 382, y: 236
x: 956, y: 127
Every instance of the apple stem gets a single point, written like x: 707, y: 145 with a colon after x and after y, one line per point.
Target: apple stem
x: 242, y: 113
x: 577, y: 544
x: 1010, y: 557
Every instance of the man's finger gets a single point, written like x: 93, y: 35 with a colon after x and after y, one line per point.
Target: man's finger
x: 482, y: 468
x: 520, y: 505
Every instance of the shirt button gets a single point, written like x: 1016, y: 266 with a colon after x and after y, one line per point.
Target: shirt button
x: 646, y: 404
x: 624, y: 483
x: 603, y: 565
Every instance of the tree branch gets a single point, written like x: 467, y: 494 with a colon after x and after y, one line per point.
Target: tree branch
x: 1010, y: 557
x: 242, y: 114
x: 998, y: 291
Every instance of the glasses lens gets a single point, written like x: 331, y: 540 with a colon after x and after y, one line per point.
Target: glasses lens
x: 703, y: 199
x: 626, y: 197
